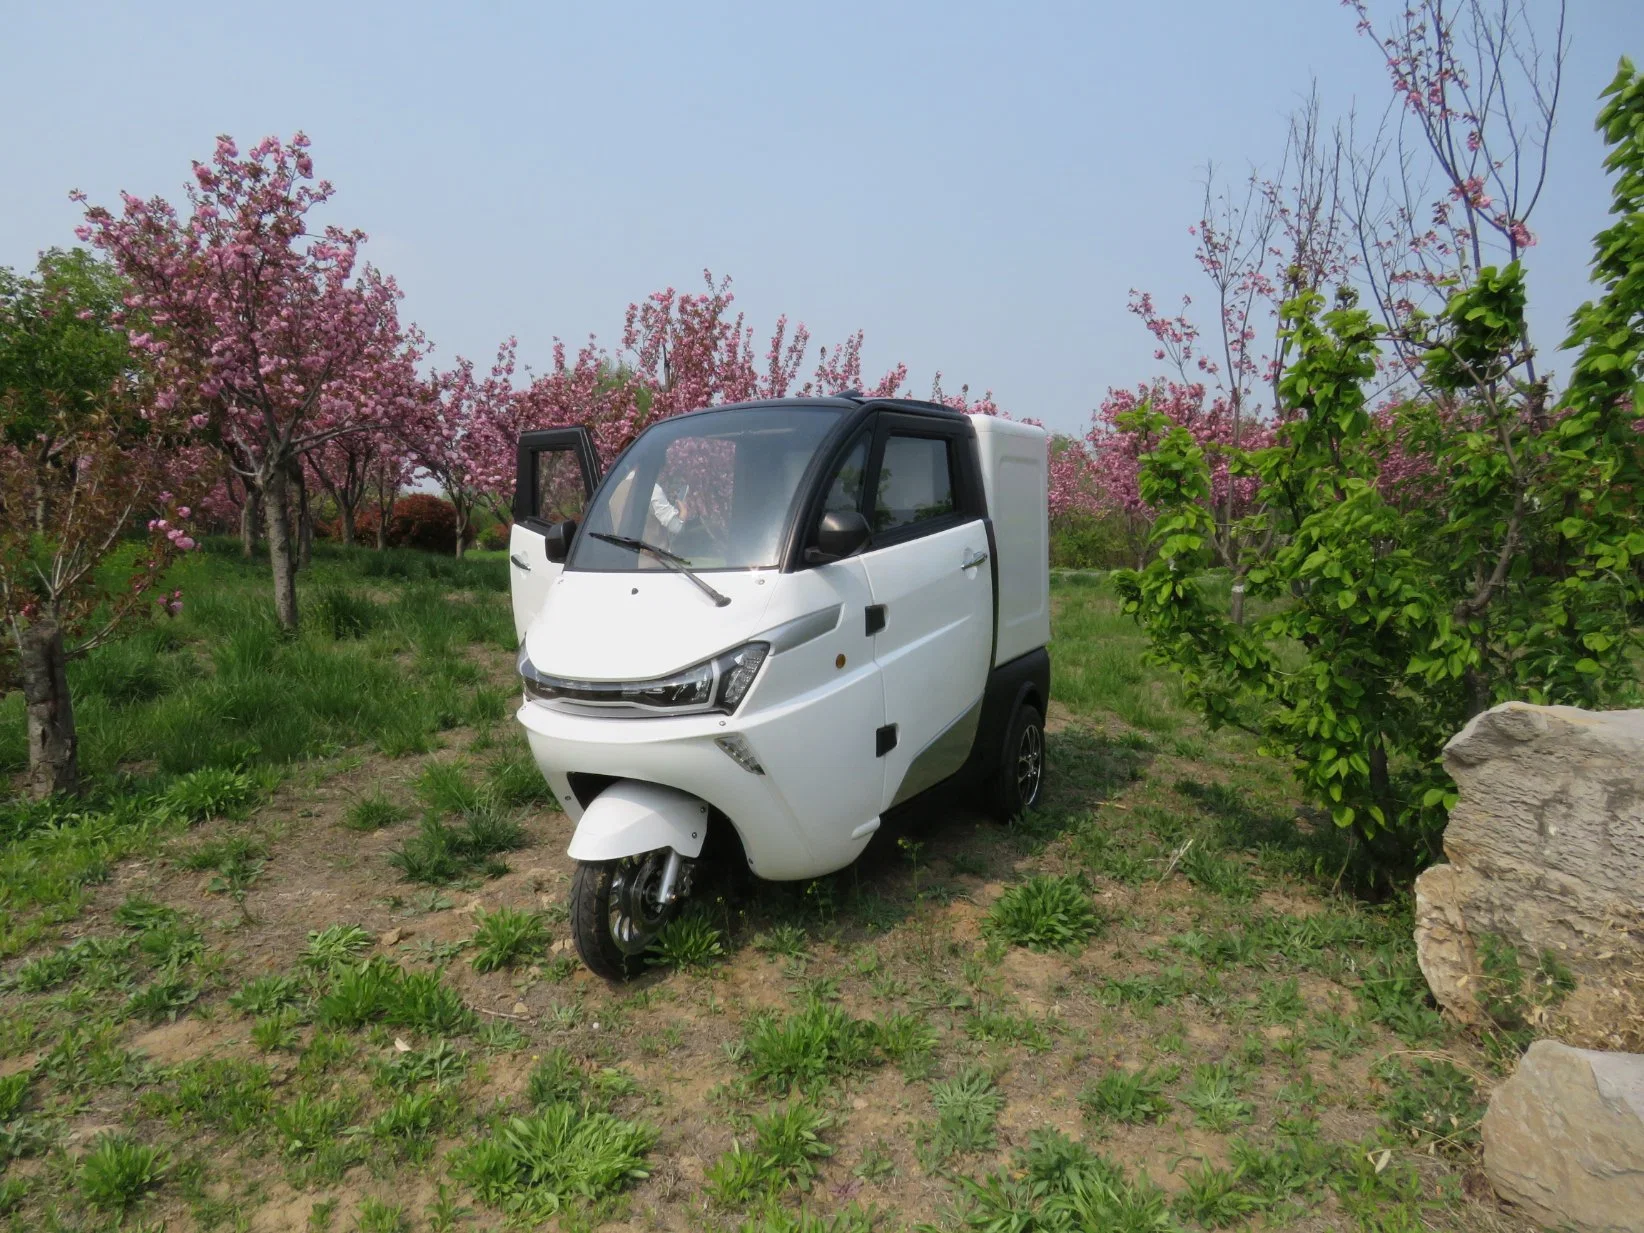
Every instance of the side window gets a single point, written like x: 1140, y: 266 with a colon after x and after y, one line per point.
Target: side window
x: 915, y: 482
x: 557, y: 492
x: 845, y: 493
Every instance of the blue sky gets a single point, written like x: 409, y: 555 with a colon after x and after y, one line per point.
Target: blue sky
x: 978, y: 186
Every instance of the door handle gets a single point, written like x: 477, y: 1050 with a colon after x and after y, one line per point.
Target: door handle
x: 973, y: 559
x: 518, y: 562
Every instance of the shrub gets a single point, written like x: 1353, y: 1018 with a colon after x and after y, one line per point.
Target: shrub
x: 1080, y: 540
x: 425, y: 521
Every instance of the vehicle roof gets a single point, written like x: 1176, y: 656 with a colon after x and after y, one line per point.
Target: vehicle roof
x: 850, y: 400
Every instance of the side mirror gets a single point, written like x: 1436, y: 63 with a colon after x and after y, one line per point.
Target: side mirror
x: 557, y: 540
x: 840, y: 533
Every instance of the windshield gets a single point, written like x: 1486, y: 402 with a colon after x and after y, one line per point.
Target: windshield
x: 713, y: 488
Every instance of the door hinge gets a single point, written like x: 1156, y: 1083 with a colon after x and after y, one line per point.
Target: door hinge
x: 875, y: 618
x: 884, y: 740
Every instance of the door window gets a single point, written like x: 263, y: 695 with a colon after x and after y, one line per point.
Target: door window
x: 558, y: 491
x: 915, y: 482
x: 845, y: 492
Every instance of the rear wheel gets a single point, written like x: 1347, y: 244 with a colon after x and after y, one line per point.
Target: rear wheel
x: 1021, y: 774
x: 617, y: 911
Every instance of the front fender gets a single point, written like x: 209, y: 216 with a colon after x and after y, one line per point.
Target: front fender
x: 631, y: 817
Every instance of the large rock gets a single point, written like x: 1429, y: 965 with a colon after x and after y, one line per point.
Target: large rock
x: 1546, y: 854
x: 1564, y: 1138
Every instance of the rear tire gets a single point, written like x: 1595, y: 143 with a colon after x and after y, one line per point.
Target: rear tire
x: 616, y: 915
x: 1020, y: 777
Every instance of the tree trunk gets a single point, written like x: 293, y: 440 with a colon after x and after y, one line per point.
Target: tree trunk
x: 385, y: 506
x: 250, y: 512
x: 346, y: 513
x: 1237, y: 613
x: 276, y: 505
x: 462, y: 530
x: 305, y: 524
x: 54, y: 749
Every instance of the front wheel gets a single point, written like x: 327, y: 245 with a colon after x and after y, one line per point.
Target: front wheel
x: 1021, y: 775
x: 617, y: 910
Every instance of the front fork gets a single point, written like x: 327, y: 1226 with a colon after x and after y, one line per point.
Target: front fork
x: 675, y: 879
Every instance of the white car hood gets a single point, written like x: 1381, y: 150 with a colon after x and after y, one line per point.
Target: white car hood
x: 642, y: 624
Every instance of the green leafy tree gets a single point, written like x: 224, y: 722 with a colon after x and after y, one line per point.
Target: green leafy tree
x: 1475, y: 546
x: 84, y: 459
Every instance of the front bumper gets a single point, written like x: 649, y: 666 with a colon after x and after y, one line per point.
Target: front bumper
x: 783, y: 839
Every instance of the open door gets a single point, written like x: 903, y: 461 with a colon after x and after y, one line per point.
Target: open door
x: 557, y: 471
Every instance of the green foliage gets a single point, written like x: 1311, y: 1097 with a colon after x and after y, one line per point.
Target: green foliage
x: 210, y: 792
x: 373, y: 812
x: 1213, y: 1095
x: 690, y: 940
x: 264, y: 995
x: 810, y: 1047
x: 59, y: 345
x: 967, y: 1111
x: 531, y: 1166
x: 506, y: 936
x: 438, y: 1066
x: 1431, y: 1101
x: 1080, y: 540
x: 1058, y: 1185
x: 1471, y: 549
x: 14, y: 1089
x: 379, y: 990
x: 787, y: 1143
x: 309, y: 1123
x: 439, y: 853
x: 343, y: 613
x: 334, y: 945
x: 118, y: 1170
x: 1046, y: 912
x: 1128, y: 1096
x: 219, y: 1093
x: 556, y: 1079
x: 408, y: 1125
x: 378, y: 1216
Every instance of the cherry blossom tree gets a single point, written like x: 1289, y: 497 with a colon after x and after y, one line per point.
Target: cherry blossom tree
x: 460, y: 433
x: 689, y: 352
x: 262, y: 329
x: 1450, y: 180
x: 1257, y: 242
x: 343, y: 467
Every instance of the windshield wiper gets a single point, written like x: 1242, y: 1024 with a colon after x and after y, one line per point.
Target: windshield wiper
x: 672, y: 560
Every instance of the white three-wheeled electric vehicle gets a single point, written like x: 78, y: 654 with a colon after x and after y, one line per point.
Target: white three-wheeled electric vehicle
x: 782, y: 618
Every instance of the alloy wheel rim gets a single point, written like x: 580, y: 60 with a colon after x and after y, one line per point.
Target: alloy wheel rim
x: 1029, y: 764
x: 634, y: 904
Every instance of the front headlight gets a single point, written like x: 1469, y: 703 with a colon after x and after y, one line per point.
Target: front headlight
x: 717, y: 684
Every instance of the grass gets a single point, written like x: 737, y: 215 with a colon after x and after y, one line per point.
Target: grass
x: 967, y: 1110
x: 532, y: 1166
x: 1161, y: 955
x: 687, y: 941
x: 1131, y: 1097
x: 506, y: 936
x: 809, y: 1048
x: 374, y: 812
x: 1044, y: 913
x: 118, y: 1171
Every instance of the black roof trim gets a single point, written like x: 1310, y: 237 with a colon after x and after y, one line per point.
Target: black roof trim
x: 848, y: 401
